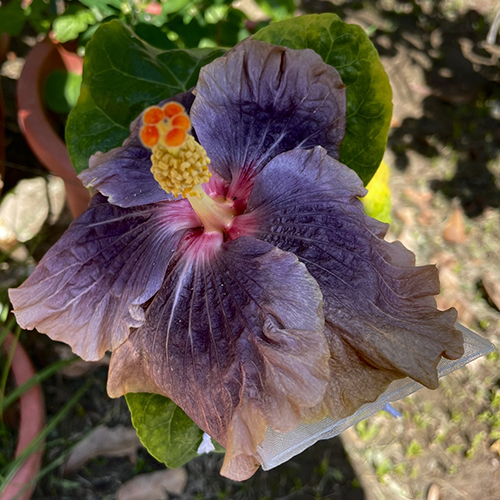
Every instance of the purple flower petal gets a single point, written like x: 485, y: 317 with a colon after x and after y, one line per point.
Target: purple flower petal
x: 88, y: 289
x: 123, y: 174
x: 375, y: 300
x: 260, y: 100
x: 234, y: 337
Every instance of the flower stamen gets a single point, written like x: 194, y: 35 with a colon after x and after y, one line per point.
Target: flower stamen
x: 180, y: 164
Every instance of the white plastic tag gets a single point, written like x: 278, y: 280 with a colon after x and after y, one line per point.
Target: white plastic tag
x: 279, y: 447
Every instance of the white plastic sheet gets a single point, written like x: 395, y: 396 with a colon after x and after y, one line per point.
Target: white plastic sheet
x: 279, y: 447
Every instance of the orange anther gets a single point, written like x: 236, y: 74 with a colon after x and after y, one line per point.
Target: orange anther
x: 149, y: 135
x: 152, y: 115
x: 172, y: 109
x: 181, y: 121
x: 176, y: 137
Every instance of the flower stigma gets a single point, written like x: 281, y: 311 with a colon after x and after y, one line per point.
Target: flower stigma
x: 180, y: 164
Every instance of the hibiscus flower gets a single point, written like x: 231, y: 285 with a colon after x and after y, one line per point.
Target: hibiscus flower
x: 227, y: 263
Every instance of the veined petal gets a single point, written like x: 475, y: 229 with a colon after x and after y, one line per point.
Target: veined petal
x: 260, y: 100
x: 88, y: 289
x: 375, y: 300
x: 234, y: 337
x: 123, y: 174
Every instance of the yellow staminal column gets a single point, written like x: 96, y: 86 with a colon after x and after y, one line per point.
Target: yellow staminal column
x: 214, y: 215
x: 180, y: 164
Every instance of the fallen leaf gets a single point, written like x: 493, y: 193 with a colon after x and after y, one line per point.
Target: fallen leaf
x: 434, y: 492
x: 422, y: 199
x: 454, y: 229
x: 116, y: 441
x: 492, y: 288
x: 24, y: 210
x: 495, y: 447
x: 405, y: 214
x: 154, y: 486
x: 451, y: 293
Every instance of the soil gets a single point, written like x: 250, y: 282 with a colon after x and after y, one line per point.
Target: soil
x: 443, y: 151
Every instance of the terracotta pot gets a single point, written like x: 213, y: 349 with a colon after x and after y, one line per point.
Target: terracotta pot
x: 42, y: 138
x: 32, y: 421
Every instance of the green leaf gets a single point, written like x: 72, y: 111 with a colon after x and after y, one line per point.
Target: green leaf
x: 377, y: 202
x: 122, y: 75
x: 12, y: 18
x: 154, y: 36
x: 173, y: 6
x: 164, y: 429
x: 103, y: 8
x: 62, y: 90
x: 69, y: 26
x: 40, y: 16
x: 348, y: 49
x: 277, y: 10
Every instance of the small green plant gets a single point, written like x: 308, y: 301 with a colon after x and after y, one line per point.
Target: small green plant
x: 383, y: 468
x: 475, y: 445
x: 455, y: 448
x: 366, y: 430
x: 414, y: 449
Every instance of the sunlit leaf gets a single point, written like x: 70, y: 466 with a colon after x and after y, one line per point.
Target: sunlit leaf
x: 69, y: 26
x: 377, y: 202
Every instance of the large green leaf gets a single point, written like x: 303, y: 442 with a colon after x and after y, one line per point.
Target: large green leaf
x: 164, y: 429
x: 347, y: 48
x: 122, y: 75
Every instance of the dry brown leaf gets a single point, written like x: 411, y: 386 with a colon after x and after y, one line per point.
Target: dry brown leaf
x: 454, y: 229
x: 434, y: 492
x: 406, y: 215
x: 154, y: 486
x: 495, y: 447
x: 116, y: 441
x: 422, y: 199
x: 492, y: 288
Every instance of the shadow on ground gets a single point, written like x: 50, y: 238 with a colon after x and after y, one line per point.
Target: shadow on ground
x: 460, y: 94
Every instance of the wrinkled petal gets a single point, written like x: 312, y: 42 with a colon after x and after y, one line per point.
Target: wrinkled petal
x: 123, y: 174
x: 234, y: 337
x: 354, y: 381
x: 88, y: 288
x: 260, y: 100
x: 375, y: 300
